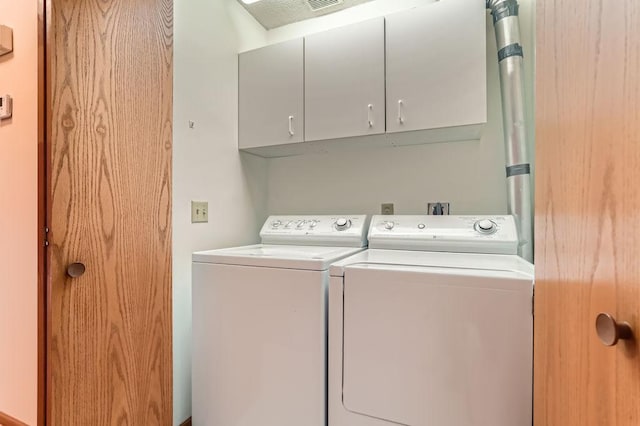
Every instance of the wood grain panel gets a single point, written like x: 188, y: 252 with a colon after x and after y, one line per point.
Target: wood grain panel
x: 110, y: 135
x: 587, y: 210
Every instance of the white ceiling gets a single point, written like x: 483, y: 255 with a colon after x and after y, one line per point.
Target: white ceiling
x: 276, y: 13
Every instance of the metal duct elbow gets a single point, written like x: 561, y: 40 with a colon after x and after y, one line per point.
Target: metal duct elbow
x: 518, y: 168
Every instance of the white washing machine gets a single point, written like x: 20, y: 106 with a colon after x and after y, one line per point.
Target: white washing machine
x: 432, y: 326
x: 260, y: 323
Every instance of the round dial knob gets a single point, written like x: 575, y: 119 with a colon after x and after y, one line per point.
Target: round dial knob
x: 486, y: 226
x: 313, y: 224
x: 301, y: 224
x: 421, y: 226
x: 276, y: 223
x: 342, y: 224
x: 389, y: 225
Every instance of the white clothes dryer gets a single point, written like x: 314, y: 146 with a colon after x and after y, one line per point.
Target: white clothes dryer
x: 260, y: 323
x: 432, y: 326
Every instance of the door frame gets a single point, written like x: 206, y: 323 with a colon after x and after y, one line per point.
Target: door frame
x: 43, y: 203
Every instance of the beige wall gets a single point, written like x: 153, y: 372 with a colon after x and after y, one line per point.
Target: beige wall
x: 206, y: 163
x: 19, y: 215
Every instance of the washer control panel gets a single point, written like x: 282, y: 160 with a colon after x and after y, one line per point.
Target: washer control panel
x: 327, y: 230
x: 458, y: 234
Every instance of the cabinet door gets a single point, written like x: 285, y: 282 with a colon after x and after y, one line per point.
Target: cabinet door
x: 436, y: 66
x: 344, y: 82
x: 271, y: 109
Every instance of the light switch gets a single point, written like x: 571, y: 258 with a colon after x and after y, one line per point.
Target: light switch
x: 6, y: 40
x: 199, y: 212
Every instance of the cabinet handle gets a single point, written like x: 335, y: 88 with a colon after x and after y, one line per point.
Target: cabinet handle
x: 291, y: 132
x: 370, y: 115
x: 400, y: 117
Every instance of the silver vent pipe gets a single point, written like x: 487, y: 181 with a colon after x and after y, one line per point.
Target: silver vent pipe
x: 511, y: 58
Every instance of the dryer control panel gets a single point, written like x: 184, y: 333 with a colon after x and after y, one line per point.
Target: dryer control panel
x: 457, y: 234
x: 317, y: 230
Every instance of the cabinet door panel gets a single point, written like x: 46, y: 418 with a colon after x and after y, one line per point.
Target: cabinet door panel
x: 436, y: 66
x: 271, y: 106
x: 344, y: 82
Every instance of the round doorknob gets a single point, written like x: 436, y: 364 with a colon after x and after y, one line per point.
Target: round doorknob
x: 76, y: 270
x: 610, y: 331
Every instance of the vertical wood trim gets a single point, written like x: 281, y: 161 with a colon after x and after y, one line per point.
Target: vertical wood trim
x: 42, y: 216
x: 47, y: 202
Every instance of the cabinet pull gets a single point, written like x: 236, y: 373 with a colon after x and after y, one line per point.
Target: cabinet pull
x: 291, y: 132
x: 400, y: 117
x: 370, y: 115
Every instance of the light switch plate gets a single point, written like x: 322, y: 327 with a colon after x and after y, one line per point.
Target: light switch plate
x: 6, y: 107
x: 6, y: 40
x: 199, y: 212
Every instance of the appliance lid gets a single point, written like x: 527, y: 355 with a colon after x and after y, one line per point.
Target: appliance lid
x: 423, y: 259
x: 277, y: 256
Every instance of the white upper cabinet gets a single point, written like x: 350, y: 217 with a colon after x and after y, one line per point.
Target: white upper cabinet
x: 436, y: 67
x: 414, y: 77
x: 344, y: 82
x: 271, y: 95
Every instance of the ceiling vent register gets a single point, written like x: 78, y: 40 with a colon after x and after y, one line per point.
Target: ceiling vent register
x: 316, y: 5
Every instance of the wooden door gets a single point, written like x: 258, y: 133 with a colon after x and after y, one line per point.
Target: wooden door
x: 109, y: 354
x: 437, y: 66
x: 344, y: 82
x: 587, y: 211
x: 271, y: 104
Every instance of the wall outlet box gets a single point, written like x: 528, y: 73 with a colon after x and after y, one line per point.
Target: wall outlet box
x: 6, y: 107
x: 438, y: 208
x: 386, y: 208
x: 199, y: 212
x: 6, y: 40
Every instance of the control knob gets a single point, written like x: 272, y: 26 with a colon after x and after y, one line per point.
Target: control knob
x: 486, y: 226
x: 343, y: 224
x: 389, y: 225
x: 276, y: 224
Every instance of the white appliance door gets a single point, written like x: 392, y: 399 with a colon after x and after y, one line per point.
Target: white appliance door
x: 259, y: 346
x: 438, y: 346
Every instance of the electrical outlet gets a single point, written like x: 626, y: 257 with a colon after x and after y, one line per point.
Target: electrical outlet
x: 386, y: 209
x: 199, y: 212
x: 438, y: 209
